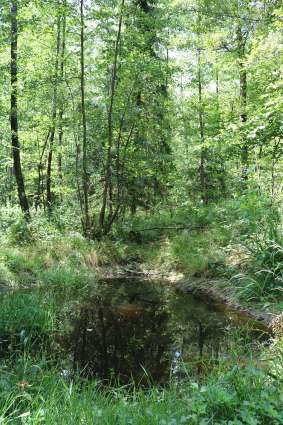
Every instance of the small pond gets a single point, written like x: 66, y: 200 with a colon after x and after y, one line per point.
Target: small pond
x: 121, y: 329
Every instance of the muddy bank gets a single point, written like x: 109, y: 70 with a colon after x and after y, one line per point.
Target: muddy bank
x: 209, y: 292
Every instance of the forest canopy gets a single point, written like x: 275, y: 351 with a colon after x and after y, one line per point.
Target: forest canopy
x: 111, y: 107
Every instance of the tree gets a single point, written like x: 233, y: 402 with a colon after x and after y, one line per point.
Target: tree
x: 125, y: 106
x: 52, y: 128
x: 85, y: 177
x: 16, y: 150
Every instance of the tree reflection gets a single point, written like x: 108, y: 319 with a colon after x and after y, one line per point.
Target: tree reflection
x: 127, y: 341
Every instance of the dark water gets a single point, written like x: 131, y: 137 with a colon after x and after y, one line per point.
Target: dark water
x: 125, y: 330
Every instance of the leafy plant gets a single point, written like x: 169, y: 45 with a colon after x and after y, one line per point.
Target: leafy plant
x: 264, y: 275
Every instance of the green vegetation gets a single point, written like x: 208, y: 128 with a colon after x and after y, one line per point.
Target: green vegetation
x: 138, y: 137
x: 34, y: 393
x: 36, y: 387
x: 32, y: 388
x: 237, y: 241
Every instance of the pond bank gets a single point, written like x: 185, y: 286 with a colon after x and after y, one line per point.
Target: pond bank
x: 217, y: 292
x: 209, y: 292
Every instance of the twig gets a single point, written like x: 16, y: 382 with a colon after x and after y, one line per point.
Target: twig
x: 171, y: 228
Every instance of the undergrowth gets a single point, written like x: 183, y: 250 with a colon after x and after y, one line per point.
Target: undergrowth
x: 35, y: 392
x: 232, y: 241
x: 263, y: 274
x: 239, y: 241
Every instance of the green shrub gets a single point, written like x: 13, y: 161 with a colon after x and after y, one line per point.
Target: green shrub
x: 20, y: 233
x: 6, y: 277
x: 65, y: 275
x: 264, y: 274
x: 9, y: 215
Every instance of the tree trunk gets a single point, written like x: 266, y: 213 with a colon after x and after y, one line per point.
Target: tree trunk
x: 61, y: 102
x: 105, y: 227
x: 53, y: 122
x: 222, y: 174
x: 243, y: 103
x: 16, y: 150
x: 40, y: 183
x: 202, y: 170
x: 243, y: 118
x: 86, y: 220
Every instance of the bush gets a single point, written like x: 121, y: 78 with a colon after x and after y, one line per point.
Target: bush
x: 264, y: 275
x: 20, y: 233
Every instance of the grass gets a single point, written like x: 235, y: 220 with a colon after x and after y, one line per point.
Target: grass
x: 58, y: 262
x: 61, y: 262
x: 33, y: 389
x: 28, y: 309
x: 35, y: 392
x: 263, y: 277
x: 211, y: 242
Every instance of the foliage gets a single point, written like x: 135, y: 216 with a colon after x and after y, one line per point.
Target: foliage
x: 34, y: 392
x: 164, y: 131
x: 141, y: 135
x: 196, y: 241
x: 264, y: 275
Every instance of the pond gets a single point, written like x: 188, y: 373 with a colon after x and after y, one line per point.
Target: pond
x: 121, y: 330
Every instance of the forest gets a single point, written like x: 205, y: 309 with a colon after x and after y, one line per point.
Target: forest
x: 141, y: 221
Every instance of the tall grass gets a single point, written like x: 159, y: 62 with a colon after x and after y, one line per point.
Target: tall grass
x: 34, y: 393
x: 263, y: 277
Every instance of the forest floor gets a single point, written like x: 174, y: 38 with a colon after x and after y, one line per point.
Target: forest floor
x: 73, y: 261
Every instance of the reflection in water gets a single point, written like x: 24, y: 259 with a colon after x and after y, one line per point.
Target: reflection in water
x: 122, y: 341
x: 142, y: 331
x: 117, y: 330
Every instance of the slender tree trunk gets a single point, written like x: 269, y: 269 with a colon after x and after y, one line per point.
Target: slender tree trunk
x: 87, y: 223
x: 276, y: 154
x: 78, y: 148
x: 61, y: 102
x: 222, y: 174
x: 243, y: 118
x: 40, y: 184
x: 16, y: 150
x: 217, y: 89
x: 53, y: 121
x: 243, y: 103
x: 202, y: 170
x: 105, y: 227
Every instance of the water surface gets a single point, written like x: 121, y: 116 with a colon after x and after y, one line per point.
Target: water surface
x: 120, y: 329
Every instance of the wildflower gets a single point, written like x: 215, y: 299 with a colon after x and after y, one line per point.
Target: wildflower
x: 22, y: 385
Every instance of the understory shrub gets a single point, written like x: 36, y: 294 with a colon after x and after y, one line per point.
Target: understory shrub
x: 264, y: 272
